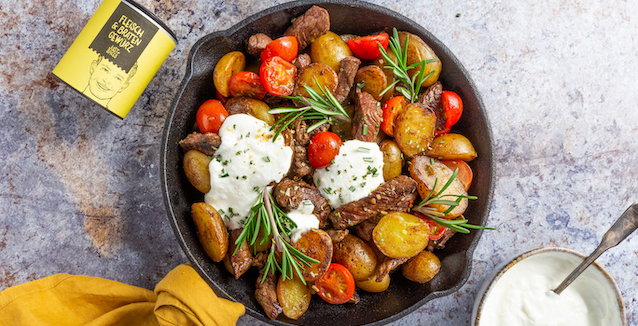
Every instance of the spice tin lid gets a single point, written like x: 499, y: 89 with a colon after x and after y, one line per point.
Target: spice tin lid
x: 116, y: 55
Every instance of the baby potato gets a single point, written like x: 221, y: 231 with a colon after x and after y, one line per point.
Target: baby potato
x: 357, y: 256
x: 389, y: 74
x: 371, y: 284
x: 329, y: 49
x: 315, y: 244
x: 422, y: 268
x: 392, y: 159
x: 426, y: 172
x: 210, y: 230
x: 414, y: 129
x: 418, y: 50
x: 293, y: 296
x: 226, y: 67
x: 373, y: 80
x: 452, y: 147
x: 196, y: 169
x: 401, y: 235
x: 312, y: 74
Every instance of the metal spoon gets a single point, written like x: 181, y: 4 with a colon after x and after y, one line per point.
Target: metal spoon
x: 624, y: 226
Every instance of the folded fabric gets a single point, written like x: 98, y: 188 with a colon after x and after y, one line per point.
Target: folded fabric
x: 181, y: 298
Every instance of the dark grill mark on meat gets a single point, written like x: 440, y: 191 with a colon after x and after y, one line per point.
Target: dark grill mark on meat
x: 348, y: 67
x: 367, y: 117
x: 300, y: 164
x: 242, y: 259
x: 258, y: 43
x: 290, y: 194
x: 433, y: 99
x: 309, y: 26
x: 266, y: 295
x: 206, y: 143
x: 380, y: 200
x: 302, y: 61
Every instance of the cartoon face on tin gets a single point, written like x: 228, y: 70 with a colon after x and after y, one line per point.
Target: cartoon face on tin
x: 107, y: 80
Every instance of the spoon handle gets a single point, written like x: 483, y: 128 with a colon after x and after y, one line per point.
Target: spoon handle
x: 624, y: 226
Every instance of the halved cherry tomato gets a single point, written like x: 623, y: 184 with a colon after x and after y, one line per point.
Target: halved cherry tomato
x: 285, y: 47
x: 465, y: 172
x: 210, y: 116
x: 453, y: 108
x: 336, y: 286
x: 323, y: 148
x: 391, y: 110
x: 436, y: 230
x: 278, y: 76
x: 246, y: 83
x: 367, y: 47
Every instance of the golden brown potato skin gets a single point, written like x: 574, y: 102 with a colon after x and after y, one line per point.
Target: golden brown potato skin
x: 392, y: 159
x: 210, y: 230
x: 421, y: 268
x: 401, y: 235
x: 293, y: 296
x: 371, y: 284
x: 357, y: 256
x: 452, y: 147
x: 428, y: 171
x: 414, y: 129
x: 247, y: 105
x: 418, y: 50
x: 329, y: 49
x: 313, y: 73
x: 196, y: 169
x: 389, y: 74
x: 315, y: 244
x: 373, y: 80
x: 226, y: 67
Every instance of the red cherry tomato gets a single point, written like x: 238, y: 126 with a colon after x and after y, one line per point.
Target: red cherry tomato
x: 246, y: 83
x: 336, y: 286
x: 453, y: 108
x: 323, y: 148
x: 436, y: 230
x: 391, y: 110
x: 285, y: 47
x: 367, y: 47
x: 278, y: 76
x: 210, y: 116
x: 465, y: 172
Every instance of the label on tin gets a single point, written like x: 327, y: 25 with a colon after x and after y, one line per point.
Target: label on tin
x: 115, y: 56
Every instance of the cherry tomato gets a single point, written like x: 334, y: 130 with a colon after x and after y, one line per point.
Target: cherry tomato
x: 367, y: 47
x: 465, y: 172
x: 278, y: 76
x: 453, y: 108
x: 246, y: 83
x: 391, y: 110
x: 323, y: 148
x: 336, y: 286
x: 210, y: 116
x: 285, y: 47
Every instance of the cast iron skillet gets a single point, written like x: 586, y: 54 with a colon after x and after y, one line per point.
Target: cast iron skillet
x: 347, y: 16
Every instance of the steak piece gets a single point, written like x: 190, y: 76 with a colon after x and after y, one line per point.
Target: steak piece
x: 348, y: 67
x: 440, y: 244
x: 266, y: 295
x: 367, y: 117
x: 365, y: 228
x: 337, y: 235
x: 258, y: 43
x: 387, y: 265
x: 290, y: 194
x: 433, y: 99
x: 238, y: 105
x: 206, y: 143
x: 302, y: 138
x: 301, y: 61
x: 386, y: 196
x: 300, y: 166
x: 242, y: 260
x: 309, y: 26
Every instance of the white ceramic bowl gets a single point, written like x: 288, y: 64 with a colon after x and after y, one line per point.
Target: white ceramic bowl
x: 607, y: 291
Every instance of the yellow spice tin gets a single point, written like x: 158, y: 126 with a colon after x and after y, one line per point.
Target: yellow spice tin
x: 116, y: 55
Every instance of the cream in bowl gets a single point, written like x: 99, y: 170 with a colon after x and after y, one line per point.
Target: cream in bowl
x: 520, y: 293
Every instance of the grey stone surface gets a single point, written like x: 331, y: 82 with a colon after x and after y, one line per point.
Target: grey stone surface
x: 79, y: 189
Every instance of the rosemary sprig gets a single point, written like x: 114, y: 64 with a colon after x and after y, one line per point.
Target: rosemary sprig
x: 266, y: 215
x: 460, y: 226
x: 319, y: 106
x: 400, y: 68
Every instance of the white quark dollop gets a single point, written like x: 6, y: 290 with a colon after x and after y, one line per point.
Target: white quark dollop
x: 356, y: 171
x: 305, y: 220
x: 245, y: 163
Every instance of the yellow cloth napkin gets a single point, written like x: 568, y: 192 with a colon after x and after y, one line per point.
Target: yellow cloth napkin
x: 181, y: 298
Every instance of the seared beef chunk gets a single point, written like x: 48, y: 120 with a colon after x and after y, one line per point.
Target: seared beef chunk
x: 277, y: 102
x: 290, y: 194
x: 238, y: 105
x: 440, y: 244
x: 364, y: 229
x: 301, y: 61
x: 266, y: 295
x: 258, y: 43
x: 309, y: 26
x: 243, y: 259
x: 302, y: 138
x: 388, y: 265
x: 300, y: 165
x: 206, y: 143
x: 337, y: 235
x: 381, y: 199
x: 367, y: 117
x: 433, y: 99
x: 260, y: 260
x: 348, y: 67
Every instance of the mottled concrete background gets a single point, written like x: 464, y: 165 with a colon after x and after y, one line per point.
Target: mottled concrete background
x: 80, y: 193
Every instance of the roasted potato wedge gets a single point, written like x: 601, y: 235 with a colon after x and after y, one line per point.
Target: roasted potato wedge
x: 451, y: 147
x: 196, y: 169
x: 392, y: 159
x: 357, y: 256
x: 210, y: 230
x: 247, y: 105
x: 414, y: 129
x: 371, y: 284
x: 315, y: 244
x: 418, y: 50
x: 401, y: 235
x: 422, y: 268
x: 312, y: 74
x: 329, y: 49
x: 428, y: 171
x: 293, y: 296
x: 372, y: 79
x: 226, y: 67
